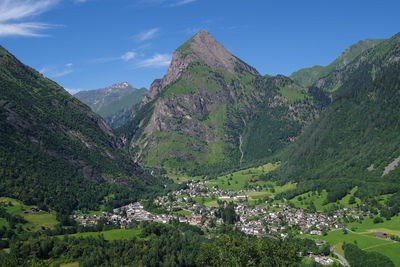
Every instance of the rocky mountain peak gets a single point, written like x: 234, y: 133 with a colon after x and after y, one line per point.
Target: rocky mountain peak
x: 121, y: 85
x: 203, y: 48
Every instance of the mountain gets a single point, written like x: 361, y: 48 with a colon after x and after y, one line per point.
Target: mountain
x: 306, y: 77
x: 355, y: 140
x: 113, y: 103
x: 54, y: 151
x: 213, y: 112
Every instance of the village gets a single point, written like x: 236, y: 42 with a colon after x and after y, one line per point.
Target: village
x: 268, y: 219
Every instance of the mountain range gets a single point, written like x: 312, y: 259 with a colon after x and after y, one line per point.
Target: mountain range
x: 114, y: 103
x: 211, y: 113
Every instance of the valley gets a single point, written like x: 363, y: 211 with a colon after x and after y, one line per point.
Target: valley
x: 215, y: 164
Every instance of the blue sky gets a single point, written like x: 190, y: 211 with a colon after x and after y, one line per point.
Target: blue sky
x: 89, y: 44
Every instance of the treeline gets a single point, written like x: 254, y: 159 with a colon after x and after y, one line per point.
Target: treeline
x: 158, y: 245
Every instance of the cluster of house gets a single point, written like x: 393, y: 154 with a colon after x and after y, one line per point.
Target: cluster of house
x: 272, y: 219
x: 322, y: 259
x: 261, y: 220
x: 198, y: 189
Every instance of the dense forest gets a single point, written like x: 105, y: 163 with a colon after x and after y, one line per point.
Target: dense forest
x: 55, y: 152
x: 356, y: 136
x: 158, y: 245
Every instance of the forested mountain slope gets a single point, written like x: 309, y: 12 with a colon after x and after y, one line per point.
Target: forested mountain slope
x: 213, y: 112
x: 356, y: 139
x: 54, y: 151
x: 308, y: 76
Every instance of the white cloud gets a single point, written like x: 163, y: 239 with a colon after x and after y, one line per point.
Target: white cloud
x: 61, y: 73
x: 56, y: 72
x: 17, y: 10
x: 147, y: 35
x: 128, y: 56
x: 182, y: 2
x: 80, y: 1
x: 168, y: 3
x: 158, y: 60
x: 23, y: 29
x: 125, y: 57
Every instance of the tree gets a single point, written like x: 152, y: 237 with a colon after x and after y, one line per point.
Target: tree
x: 378, y: 220
x: 352, y: 200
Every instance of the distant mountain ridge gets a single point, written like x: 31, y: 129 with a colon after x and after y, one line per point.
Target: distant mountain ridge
x: 308, y: 76
x: 114, y: 103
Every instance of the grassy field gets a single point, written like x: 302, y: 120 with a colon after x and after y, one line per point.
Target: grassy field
x: 367, y: 226
x: 39, y: 220
x: 89, y: 213
x: 238, y: 180
x: 35, y: 220
x: 304, y: 200
x: 116, y: 234
x: 365, y: 241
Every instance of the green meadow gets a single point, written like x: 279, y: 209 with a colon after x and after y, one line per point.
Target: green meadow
x: 367, y: 226
x: 304, y: 200
x: 364, y: 237
x: 35, y: 220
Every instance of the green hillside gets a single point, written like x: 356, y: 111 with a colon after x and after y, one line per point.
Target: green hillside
x: 126, y: 102
x: 54, y: 151
x: 308, y: 76
x: 355, y: 141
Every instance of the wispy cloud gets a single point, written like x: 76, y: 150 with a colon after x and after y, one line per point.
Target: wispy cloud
x: 12, y: 12
x: 127, y: 56
x: 182, y: 2
x: 168, y: 3
x: 56, y: 71
x: 158, y: 60
x: 147, y: 35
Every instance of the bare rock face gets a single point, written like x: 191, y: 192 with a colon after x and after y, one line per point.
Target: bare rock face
x: 191, y: 109
x: 215, y: 55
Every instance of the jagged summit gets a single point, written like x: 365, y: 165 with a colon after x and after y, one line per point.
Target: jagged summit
x: 202, y: 48
x: 205, y: 48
